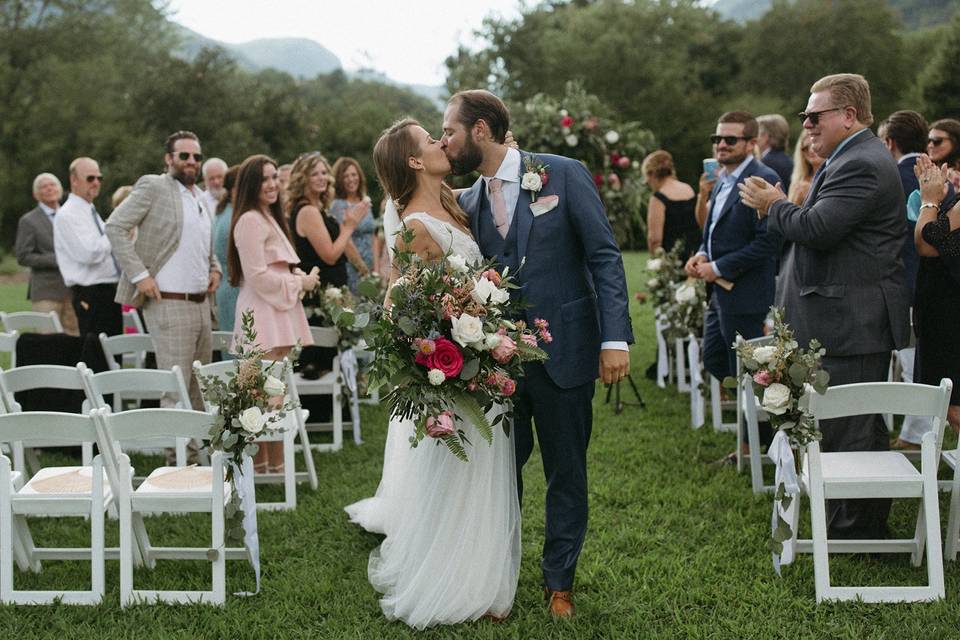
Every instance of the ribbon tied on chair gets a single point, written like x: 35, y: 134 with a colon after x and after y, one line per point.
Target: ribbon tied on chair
x: 781, y: 453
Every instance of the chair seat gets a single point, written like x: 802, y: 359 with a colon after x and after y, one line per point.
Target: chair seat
x: 182, y: 481
x: 63, y: 482
x: 950, y: 457
x: 868, y: 474
x: 306, y: 386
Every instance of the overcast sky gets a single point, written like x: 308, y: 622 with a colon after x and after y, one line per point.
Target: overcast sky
x: 406, y: 39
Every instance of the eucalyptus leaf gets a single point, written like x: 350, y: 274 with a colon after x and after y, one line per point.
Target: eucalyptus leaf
x: 407, y: 325
x: 470, y: 369
x: 251, y: 449
x: 798, y: 373
x: 730, y: 382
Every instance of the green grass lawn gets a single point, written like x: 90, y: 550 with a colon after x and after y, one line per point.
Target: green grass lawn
x: 676, y: 549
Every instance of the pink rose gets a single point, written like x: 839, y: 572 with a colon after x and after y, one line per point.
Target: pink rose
x: 529, y: 339
x: 447, y: 358
x: 763, y: 378
x: 440, y: 426
x: 614, y: 181
x: 504, y: 350
x: 492, y: 276
x: 566, y: 121
x: 591, y: 123
x: 508, y: 387
x: 624, y: 162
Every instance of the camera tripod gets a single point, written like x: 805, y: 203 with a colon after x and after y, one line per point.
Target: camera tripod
x: 614, y: 388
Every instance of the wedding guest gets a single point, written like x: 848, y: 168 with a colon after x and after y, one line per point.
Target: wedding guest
x: 773, y: 143
x: 805, y: 165
x: 704, y: 189
x: 943, y: 143
x: 120, y: 195
x: 85, y: 255
x: 350, y: 189
x: 226, y: 292
x: 283, y: 177
x: 261, y: 263
x: 670, y: 215
x: 938, y: 285
x: 34, y: 249
x: 214, y: 172
x: 841, y: 279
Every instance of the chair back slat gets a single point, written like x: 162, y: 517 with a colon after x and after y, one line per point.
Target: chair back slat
x: 8, y: 345
x: 222, y: 341
x: 325, y: 336
x: 65, y: 428
x: 138, y: 382
x: 141, y: 424
x: 41, y: 376
x: 48, y: 322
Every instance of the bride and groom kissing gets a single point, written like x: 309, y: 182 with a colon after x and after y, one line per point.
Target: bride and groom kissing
x: 452, y: 547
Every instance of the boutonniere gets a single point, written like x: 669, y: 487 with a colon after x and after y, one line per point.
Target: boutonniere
x: 535, y: 176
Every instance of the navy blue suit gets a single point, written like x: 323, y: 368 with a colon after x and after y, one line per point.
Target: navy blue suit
x: 909, y: 255
x: 782, y: 165
x: 745, y: 254
x: 572, y: 276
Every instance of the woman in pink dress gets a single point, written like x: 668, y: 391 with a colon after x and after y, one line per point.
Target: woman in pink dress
x: 262, y: 263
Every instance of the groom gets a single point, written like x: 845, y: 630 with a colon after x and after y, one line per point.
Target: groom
x: 572, y: 276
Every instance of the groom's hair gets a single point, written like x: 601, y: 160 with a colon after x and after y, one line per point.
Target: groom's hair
x: 474, y: 105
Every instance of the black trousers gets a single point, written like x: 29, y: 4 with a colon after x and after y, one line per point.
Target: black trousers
x: 96, y: 310
x: 864, y: 518
x: 563, y: 419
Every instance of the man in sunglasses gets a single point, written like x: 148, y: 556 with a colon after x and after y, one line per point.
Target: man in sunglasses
x: 84, y: 253
x: 735, y: 247
x: 171, y: 267
x: 841, y: 277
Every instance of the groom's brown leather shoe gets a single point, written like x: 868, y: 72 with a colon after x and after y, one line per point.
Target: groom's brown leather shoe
x: 560, y: 603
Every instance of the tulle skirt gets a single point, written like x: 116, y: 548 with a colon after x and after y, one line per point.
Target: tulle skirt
x: 452, y: 547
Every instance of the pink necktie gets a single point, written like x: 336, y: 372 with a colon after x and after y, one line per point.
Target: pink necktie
x: 499, y: 206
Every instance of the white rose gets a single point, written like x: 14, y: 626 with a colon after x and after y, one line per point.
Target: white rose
x: 466, y: 329
x: 612, y: 137
x: 564, y: 113
x: 635, y: 164
x: 653, y: 283
x: 685, y: 293
x: 531, y: 181
x: 274, y: 386
x: 776, y: 399
x: 764, y: 355
x: 654, y: 264
x: 565, y: 130
x: 572, y: 140
x: 436, y: 377
x: 491, y: 341
x: 333, y: 294
x: 499, y: 296
x: 482, y: 289
x: 252, y: 420
x: 457, y: 263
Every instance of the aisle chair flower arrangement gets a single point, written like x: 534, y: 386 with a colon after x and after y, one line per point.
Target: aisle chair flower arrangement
x: 782, y: 374
x: 448, y: 349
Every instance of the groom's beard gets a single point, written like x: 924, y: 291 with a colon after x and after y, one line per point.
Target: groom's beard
x: 468, y: 160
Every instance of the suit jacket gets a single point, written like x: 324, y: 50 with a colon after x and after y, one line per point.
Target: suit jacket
x: 155, y: 210
x: 909, y: 255
x: 572, y: 270
x: 841, y: 277
x: 782, y: 165
x: 743, y: 250
x: 34, y: 249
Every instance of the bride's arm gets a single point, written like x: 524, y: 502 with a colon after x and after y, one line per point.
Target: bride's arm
x: 422, y: 244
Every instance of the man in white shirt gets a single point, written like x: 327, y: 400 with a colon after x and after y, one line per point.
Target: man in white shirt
x: 170, y: 268
x: 84, y: 253
x: 214, y: 172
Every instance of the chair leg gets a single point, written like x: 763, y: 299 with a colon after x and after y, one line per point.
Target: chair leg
x: 355, y: 403
x: 739, y: 430
x: 818, y: 522
x: 919, y: 537
x: 337, y: 402
x: 218, y: 570
x: 97, y: 569
x: 929, y: 464
x: 307, y: 450
x: 26, y: 542
x: 6, y: 541
x: 953, y: 522
x: 127, y: 543
x: 289, y: 471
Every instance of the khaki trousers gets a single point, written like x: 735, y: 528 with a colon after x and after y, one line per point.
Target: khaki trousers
x: 64, y: 309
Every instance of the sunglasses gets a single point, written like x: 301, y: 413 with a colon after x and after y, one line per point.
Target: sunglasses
x: 729, y: 140
x: 91, y: 179
x: 185, y: 155
x: 815, y: 115
x: 935, y: 141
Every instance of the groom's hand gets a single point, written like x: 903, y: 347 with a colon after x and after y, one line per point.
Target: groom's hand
x: 614, y: 365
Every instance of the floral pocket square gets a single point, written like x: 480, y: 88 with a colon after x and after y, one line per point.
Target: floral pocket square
x: 544, y: 204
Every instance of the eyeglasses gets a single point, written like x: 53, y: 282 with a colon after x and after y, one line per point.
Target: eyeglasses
x: 729, y: 140
x: 91, y: 179
x: 805, y: 148
x: 815, y: 115
x: 935, y: 141
x: 185, y: 155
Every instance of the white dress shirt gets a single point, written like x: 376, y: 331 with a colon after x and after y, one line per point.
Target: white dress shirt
x: 210, y: 201
x: 84, y: 254
x: 188, y: 269
x: 47, y: 210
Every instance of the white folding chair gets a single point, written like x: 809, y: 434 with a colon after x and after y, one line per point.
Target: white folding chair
x: 331, y: 384
x: 876, y: 474
x: 131, y: 347
x: 718, y: 405
x: 48, y: 322
x: 757, y: 459
x: 166, y: 490
x: 51, y: 492
x: 695, y: 369
x: 222, y: 341
x: 8, y: 345
x: 141, y: 384
x: 290, y: 427
x: 42, y: 376
x: 680, y: 357
x: 131, y: 320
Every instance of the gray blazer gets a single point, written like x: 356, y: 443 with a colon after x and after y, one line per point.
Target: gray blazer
x: 841, y: 277
x: 34, y: 249
x: 155, y: 210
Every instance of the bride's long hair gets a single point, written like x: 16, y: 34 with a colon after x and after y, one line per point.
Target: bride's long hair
x: 398, y: 179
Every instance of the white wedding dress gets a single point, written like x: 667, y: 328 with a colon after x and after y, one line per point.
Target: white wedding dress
x: 452, y: 547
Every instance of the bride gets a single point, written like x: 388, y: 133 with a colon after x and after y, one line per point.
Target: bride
x: 452, y: 547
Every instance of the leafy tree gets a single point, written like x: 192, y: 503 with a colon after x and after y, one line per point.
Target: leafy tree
x: 940, y: 80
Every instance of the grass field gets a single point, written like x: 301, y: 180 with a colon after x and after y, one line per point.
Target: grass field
x: 676, y: 549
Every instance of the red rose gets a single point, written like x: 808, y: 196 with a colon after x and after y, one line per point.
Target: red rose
x: 447, y: 358
x: 614, y: 158
x: 598, y: 179
x: 566, y: 121
x: 544, y: 179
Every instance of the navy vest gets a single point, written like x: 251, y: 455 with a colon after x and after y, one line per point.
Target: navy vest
x: 503, y: 250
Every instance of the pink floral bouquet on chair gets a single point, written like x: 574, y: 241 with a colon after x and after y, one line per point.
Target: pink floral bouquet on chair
x: 448, y: 349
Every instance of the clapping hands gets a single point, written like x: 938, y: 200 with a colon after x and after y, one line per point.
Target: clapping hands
x: 758, y: 193
x: 933, y: 179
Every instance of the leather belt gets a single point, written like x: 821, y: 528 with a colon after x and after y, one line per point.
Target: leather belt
x: 192, y: 297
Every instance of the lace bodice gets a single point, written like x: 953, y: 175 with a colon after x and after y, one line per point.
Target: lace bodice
x: 449, y: 237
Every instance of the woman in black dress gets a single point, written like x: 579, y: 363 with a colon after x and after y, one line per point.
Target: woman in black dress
x: 937, y: 237
x: 670, y: 214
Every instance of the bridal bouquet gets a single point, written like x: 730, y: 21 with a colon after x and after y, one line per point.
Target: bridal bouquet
x: 249, y: 404
x: 448, y: 349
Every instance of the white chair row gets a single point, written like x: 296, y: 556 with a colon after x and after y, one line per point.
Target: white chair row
x: 48, y: 322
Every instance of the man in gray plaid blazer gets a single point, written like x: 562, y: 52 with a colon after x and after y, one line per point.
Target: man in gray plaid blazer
x: 170, y: 268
